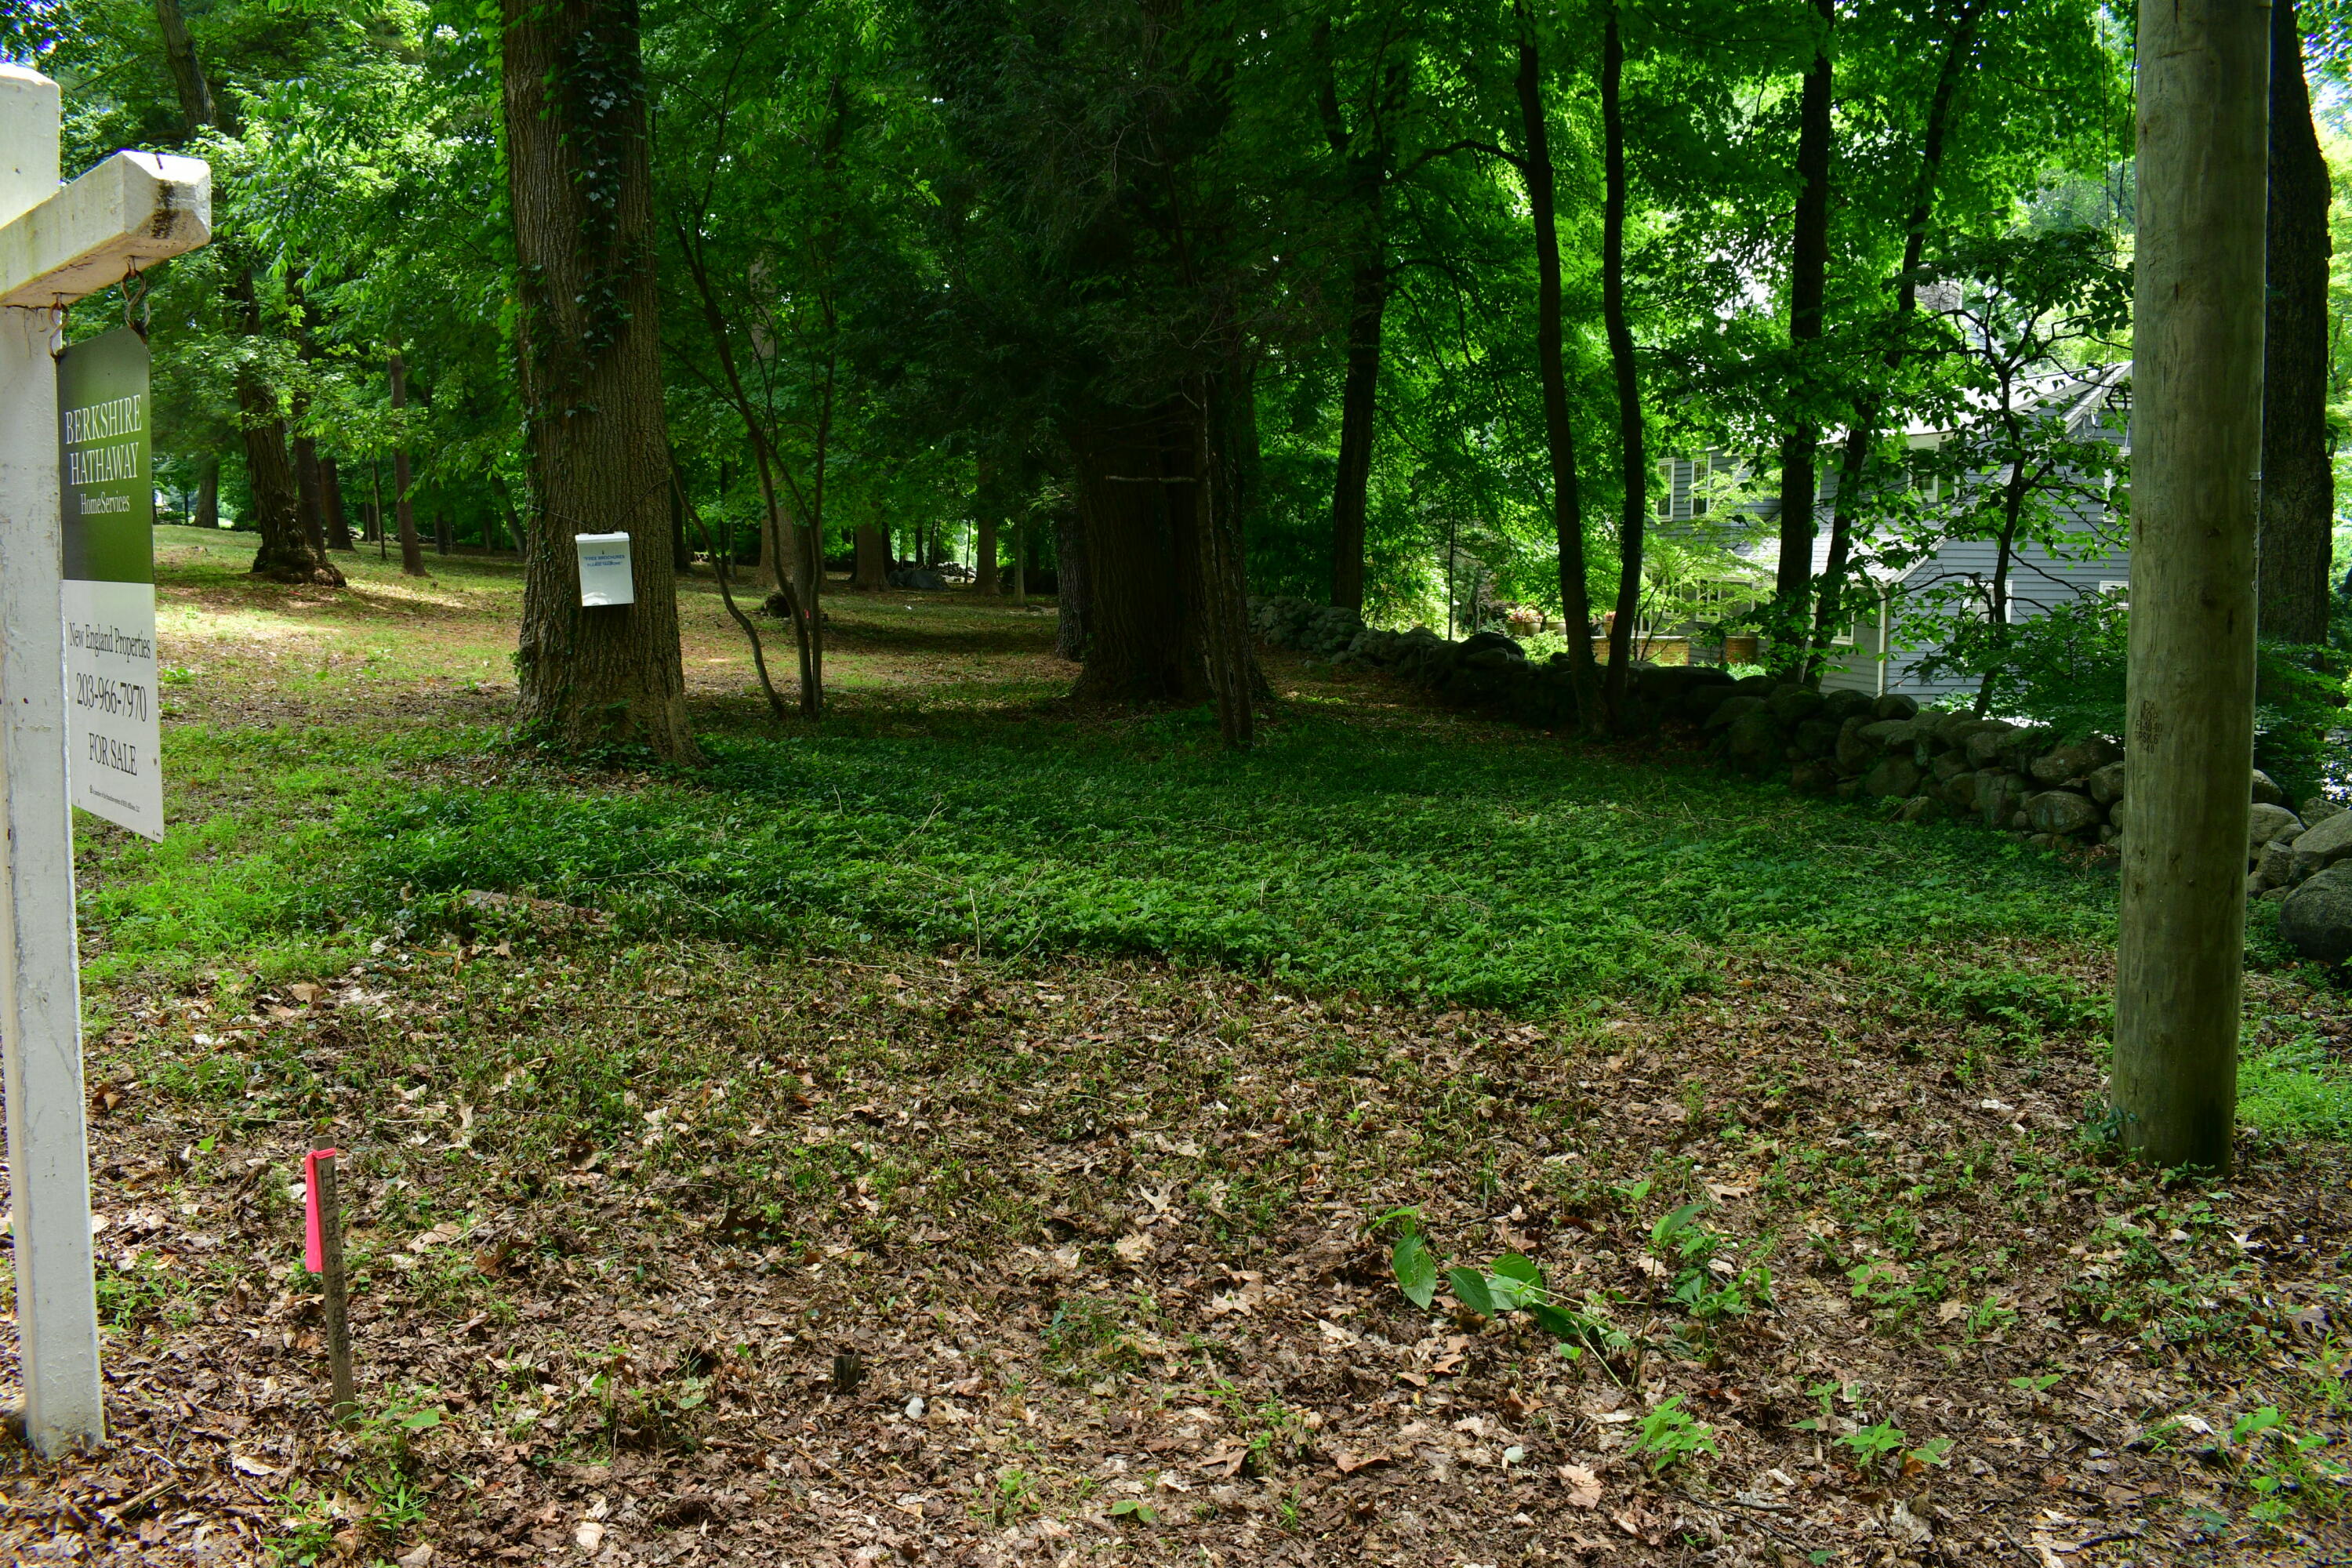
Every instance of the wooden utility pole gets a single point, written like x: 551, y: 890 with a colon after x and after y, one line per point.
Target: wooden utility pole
x: 2204, y: 74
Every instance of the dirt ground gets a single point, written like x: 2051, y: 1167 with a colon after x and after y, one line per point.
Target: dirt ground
x: 677, y: 1253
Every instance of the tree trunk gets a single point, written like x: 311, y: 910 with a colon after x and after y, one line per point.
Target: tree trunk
x: 2197, y: 417
x: 579, y: 185
x: 1359, y: 410
x: 309, y: 497
x: 1864, y: 430
x: 208, y: 495
x: 1808, y: 263
x: 2298, y: 501
x: 869, y: 564
x: 987, y: 504
x: 442, y: 541
x: 330, y: 505
x: 1073, y: 588
x: 1019, y: 587
x: 1138, y: 517
x: 1634, y: 458
x: 412, y: 556
x: 286, y: 554
x: 1559, y: 435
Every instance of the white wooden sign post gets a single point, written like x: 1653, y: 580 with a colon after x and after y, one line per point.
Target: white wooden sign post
x: 57, y: 245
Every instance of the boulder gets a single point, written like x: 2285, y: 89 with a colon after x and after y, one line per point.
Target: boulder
x: 1816, y: 737
x: 2321, y: 845
x: 1984, y: 743
x: 1923, y: 808
x: 2000, y: 796
x: 2274, y: 867
x: 1753, y: 743
x: 1482, y: 642
x: 1894, y: 706
x: 2061, y: 810
x: 2315, y: 919
x: 2318, y: 809
x: 1959, y: 793
x: 1889, y: 733
x: 1814, y: 777
x: 1793, y: 705
x: 1854, y: 752
x: 1698, y: 704
x: 2066, y: 764
x: 1732, y: 708
x: 1493, y: 658
x: 1893, y: 776
x: 2266, y: 822
x: 1755, y: 685
x: 1949, y: 765
x: 2108, y: 783
x: 2016, y: 750
x: 1848, y: 789
x: 1843, y: 705
x: 2267, y: 791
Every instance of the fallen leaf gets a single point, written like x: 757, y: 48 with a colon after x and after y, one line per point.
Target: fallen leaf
x: 1133, y: 1248
x: 420, y: 1554
x: 1724, y: 1192
x: 1225, y: 1462
x: 447, y: 1231
x: 1583, y: 1486
x: 248, y: 1464
x: 588, y: 1535
x: 1951, y: 1312
x: 1349, y: 1461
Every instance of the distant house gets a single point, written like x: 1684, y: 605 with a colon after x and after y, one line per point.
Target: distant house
x: 1696, y: 503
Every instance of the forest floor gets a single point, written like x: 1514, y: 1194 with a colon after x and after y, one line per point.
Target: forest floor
x: 975, y: 1130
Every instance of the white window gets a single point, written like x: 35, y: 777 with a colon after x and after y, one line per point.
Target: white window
x: 2119, y: 590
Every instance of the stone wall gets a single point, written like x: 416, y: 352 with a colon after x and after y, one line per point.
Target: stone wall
x: 1921, y: 765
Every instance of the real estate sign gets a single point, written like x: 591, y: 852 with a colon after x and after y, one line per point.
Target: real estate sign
x: 108, y: 595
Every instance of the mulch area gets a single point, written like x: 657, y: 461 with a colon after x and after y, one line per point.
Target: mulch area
x: 943, y: 1266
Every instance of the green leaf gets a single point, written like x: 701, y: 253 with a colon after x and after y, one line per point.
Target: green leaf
x: 1134, y: 1508
x: 1515, y: 1281
x: 421, y: 1420
x: 1557, y: 1321
x: 1470, y: 1289
x: 1415, y: 1271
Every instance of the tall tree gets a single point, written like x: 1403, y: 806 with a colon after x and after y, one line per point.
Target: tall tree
x: 1808, y: 264
x: 1560, y: 434
x: 573, y: 88
x: 2197, y: 417
x: 1633, y: 460
x: 1364, y: 155
x: 412, y: 555
x: 2298, y: 506
x: 287, y: 553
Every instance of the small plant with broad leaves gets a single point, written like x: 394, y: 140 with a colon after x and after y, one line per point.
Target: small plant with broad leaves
x: 1670, y: 1435
x: 1513, y: 1284
x: 1689, y: 1250
x: 2282, y: 1467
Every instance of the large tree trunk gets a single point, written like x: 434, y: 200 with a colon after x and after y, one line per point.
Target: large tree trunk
x: 2190, y: 704
x: 309, y: 493
x: 1559, y: 435
x: 1635, y: 460
x: 286, y: 554
x: 869, y: 565
x: 987, y: 504
x: 591, y: 390
x: 208, y: 495
x: 412, y: 555
x: 1073, y: 583
x: 2298, y: 474
x: 1137, y: 517
x: 330, y: 505
x: 1808, y: 263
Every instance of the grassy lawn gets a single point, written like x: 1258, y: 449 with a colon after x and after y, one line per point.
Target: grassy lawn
x: 1078, y: 1081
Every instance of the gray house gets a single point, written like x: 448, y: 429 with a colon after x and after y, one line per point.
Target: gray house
x: 2095, y: 403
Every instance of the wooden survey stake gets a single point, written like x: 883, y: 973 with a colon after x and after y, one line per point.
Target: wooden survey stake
x: 323, y: 1255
